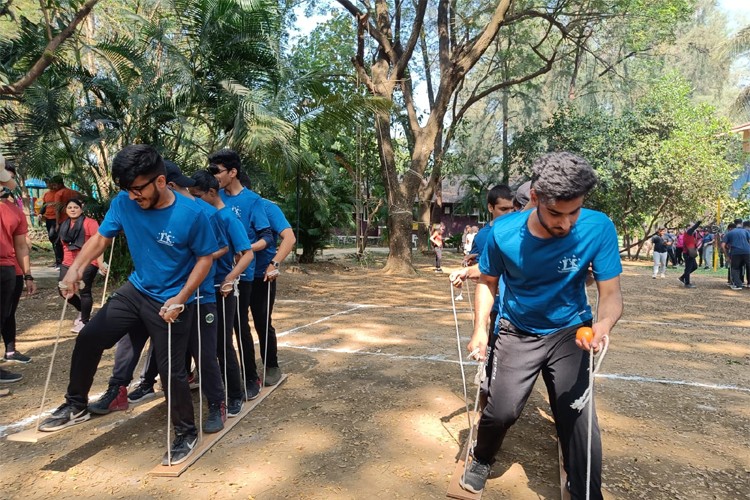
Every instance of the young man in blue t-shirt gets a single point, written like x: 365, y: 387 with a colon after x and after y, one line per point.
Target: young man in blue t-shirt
x: 171, y: 244
x: 248, y: 207
x: 544, y: 255
x: 261, y: 302
x: 227, y: 271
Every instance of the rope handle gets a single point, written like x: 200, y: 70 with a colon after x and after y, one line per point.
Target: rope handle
x: 62, y: 286
x: 172, y: 307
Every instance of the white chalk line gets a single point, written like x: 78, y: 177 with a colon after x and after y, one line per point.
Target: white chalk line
x: 444, y: 359
x: 636, y: 378
x: 448, y: 309
x: 355, y: 308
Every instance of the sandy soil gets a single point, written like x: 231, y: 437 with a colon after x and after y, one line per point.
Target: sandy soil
x: 374, y: 406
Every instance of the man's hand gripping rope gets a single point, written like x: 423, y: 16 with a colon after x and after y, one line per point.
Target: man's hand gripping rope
x: 171, y: 310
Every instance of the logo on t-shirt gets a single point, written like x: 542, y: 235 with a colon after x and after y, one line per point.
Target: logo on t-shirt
x: 568, y: 264
x: 166, y: 238
x: 237, y: 211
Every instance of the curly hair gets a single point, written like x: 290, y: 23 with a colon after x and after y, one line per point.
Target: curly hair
x: 561, y: 176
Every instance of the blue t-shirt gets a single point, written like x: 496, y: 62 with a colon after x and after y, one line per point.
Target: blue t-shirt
x: 237, y: 241
x: 738, y: 240
x: 477, y: 247
x: 164, y: 243
x: 278, y: 224
x: 248, y: 206
x: 207, y: 291
x: 545, y: 279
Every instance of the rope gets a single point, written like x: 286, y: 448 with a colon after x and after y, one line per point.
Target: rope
x: 460, y: 355
x: 224, y: 334
x: 588, y: 400
x: 239, y: 338
x: 169, y: 379
x: 200, y: 367
x: 169, y: 392
x: 265, y: 348
x: 480, y: 377
x: 52, y: 361
x: 106, y: 277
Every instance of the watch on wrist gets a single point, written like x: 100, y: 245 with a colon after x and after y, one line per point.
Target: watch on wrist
x: 275, y: 264
x: 28, y: 277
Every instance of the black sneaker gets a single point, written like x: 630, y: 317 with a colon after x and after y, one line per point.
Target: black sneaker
x: 682, y: 280
x: 182, y: 448
x: 17, y: 357
x: 273, y: 375
x: 689, y: 285
x: 475, y: 477
x: 217, y: 415
x: 116, y: 398
x: 252, y: 390
x: 143, y: 392
x: 67, y: 414
x: 235, y: 407
x: 7, y: 377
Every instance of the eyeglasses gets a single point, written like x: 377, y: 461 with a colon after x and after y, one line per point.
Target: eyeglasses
x: 215, y: 169
x: 138, y: 190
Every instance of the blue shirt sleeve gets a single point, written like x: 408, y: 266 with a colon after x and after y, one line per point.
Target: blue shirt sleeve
x: 491, y: 262
x: 202, y: 239
x: 606, y: 262
x: 111, y: 225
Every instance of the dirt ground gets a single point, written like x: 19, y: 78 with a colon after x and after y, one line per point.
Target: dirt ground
x: 374, y: 407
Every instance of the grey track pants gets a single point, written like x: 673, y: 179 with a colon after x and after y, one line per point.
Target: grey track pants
x: 518, y: 359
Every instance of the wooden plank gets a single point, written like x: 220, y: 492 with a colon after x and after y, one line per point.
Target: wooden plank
x: 211, y: 439
x: 564, y: 493
x: 34, y: 436
x: 454, y: 488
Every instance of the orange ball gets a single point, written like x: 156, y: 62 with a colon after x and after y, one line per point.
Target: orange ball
x: 585, y: 333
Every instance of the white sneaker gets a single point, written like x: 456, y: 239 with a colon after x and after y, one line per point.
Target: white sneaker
x: 78, y: 327
x: 663, y: 275
x: 459, y: 297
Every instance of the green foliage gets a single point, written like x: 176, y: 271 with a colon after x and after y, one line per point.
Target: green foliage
x: 664, y: 160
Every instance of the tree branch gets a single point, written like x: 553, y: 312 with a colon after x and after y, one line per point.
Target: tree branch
x: 48, y: 56
x: 405, y: 56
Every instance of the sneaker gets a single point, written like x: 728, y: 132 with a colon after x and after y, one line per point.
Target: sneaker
x: 235, y: 407
x: 143, y: 392
x: 252, y: 390
x: 459, y: 297
x: 682, y: 280
x: 116, y: 398
x: 273, y: 375
x: 4, y: 392
x: 67, y: 414
x: 193, y: 380
x: 77, y: 327
x: 735, y: 287
x: 182, y: 447
x: 217, y: 415
x: 475, y: 477
x: 653, y: 277
x: 17, y: 357
x: 689, y: 285
x: 662, y: 275
x: 746, y: 285
x: 7, y: 377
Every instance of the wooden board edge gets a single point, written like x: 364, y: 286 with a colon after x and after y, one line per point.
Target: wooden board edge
x: 211, y: 439
x: 454, y: 488
x: 34, y: 436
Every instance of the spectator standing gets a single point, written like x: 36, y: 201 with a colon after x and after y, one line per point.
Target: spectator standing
x: 660, y: 253
x: 690, y: 253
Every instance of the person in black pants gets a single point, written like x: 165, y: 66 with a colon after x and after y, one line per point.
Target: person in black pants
x: 544, y: 255
x: 171, y: 243
x: 690, y: 253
